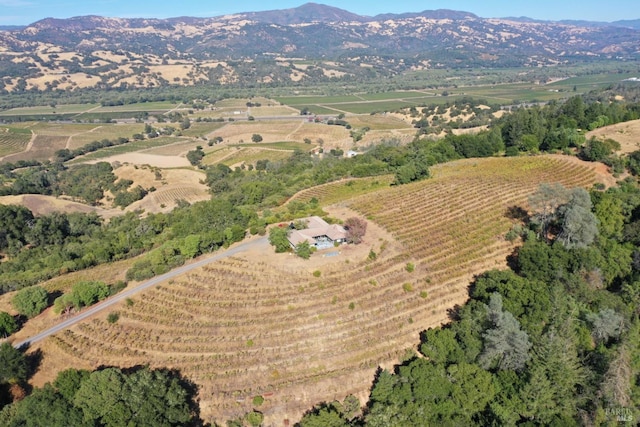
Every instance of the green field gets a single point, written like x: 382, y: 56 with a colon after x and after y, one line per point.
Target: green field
x: 48, y: 110
x: 396, y: 95
x: 139, y: 107
x: 297, y: 101
x: 316, y: 109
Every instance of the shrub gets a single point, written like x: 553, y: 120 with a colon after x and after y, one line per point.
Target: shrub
x: 113, y: 317
x: 410, y: 267
x: 408, y: 287
x: 31, y: 301
x: 255, y: 418
x: 258, y: 400
x: 8, y: 324
x: 317, y: 273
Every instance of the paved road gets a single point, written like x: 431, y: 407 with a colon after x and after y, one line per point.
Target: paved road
x: 251, y: 244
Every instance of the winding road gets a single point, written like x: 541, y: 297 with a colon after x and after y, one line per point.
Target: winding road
x: 241, y: 247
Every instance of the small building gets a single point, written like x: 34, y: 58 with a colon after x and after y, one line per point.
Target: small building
x: 318, y: 233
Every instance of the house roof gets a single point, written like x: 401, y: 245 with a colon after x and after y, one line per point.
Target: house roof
x: 316, y: 227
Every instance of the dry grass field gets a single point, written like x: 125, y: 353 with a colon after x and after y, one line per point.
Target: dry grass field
x: 627, y: 134
x: 263, y: 324
x: 237, y: 155
x: 171, y: 186
x: 44, y: 205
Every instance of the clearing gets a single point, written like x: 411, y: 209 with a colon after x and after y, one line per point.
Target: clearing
x: 626, y: 133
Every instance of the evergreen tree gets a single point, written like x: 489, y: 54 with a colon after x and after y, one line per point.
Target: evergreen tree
x: 505, y: 341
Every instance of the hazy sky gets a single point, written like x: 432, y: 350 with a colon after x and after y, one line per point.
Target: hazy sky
x: 20, y: 12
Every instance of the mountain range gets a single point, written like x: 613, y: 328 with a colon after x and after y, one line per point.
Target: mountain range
x: 218, y: 48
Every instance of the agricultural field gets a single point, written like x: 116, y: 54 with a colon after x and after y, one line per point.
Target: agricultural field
x: 250, y: 153
x: 380, y: 122
x: 277, y: 131
x: 130, y: 147
x: 84, y: 134
x: 234, y: 155
x: 299, y: 332
x: 334, y: 192
x: 50, y: 110
x: 13, y: 140
x: 43, y: 148
x: 201, y: 129
x: 158, y: 106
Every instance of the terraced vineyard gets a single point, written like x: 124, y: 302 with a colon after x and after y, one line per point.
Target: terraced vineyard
x: 252, y: 325
x: 43, y: 148
x: 337, y: 191
x: 13, y: 140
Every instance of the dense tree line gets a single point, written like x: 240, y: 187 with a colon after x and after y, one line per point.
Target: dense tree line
x: 106, y: 397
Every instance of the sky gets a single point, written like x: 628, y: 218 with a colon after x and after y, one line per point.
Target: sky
x: 22, y: 12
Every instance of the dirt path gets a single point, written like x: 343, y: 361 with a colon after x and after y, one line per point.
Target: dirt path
x: 295, y: 130
x: 68, y: 145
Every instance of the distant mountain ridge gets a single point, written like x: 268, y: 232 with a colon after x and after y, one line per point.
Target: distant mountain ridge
x: 379, y: 45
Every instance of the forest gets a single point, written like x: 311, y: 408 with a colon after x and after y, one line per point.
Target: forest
x: 552, y: 341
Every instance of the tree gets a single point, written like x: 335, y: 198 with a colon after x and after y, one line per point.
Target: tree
x: 256, y: 137
x: 505, y: 341
x: 327, y: 415
x: 142, y: 398
x: 190, y: 246
x: 303, y: 250
x: 13, y: 364
x: 31, y: 301
x: 83, y: 294
x: 278, y: 237
x: 8, y: 324
x: 195, y: 156
x: 45, y: 407
x: 545, y: 203
x: 356, y: 229
x: 606, y: 324
x: 69, y: 381
x: 579, y: 224
x: 555, y: 378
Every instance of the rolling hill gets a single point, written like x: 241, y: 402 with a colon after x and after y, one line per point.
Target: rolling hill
x: 261, y: 47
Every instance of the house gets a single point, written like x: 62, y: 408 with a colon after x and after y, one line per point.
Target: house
x: 318, y: 233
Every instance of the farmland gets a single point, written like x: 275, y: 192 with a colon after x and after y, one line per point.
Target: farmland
x: 13, y: 140
x: 263, y: 324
